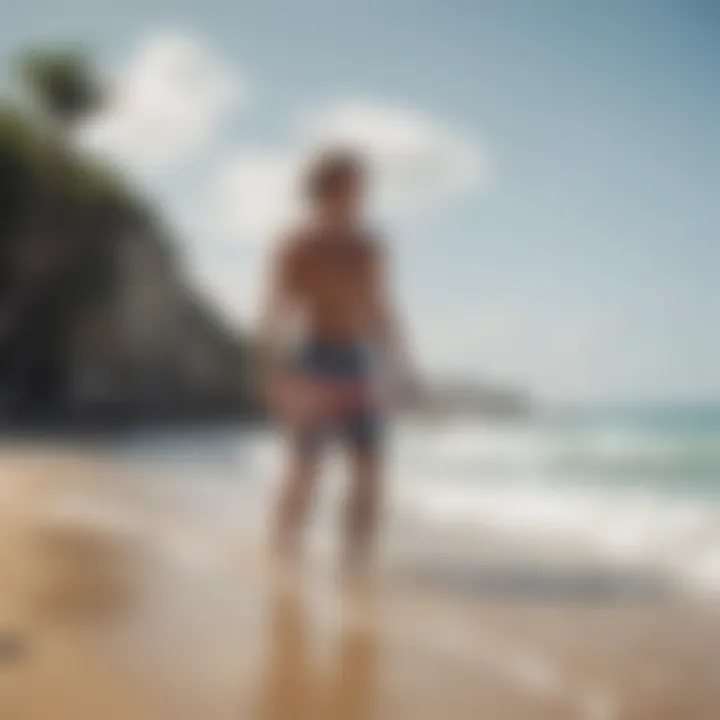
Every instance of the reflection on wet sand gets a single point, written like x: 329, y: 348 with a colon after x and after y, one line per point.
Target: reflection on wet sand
x: 288, y: 685
x: 353, y: 688
x: 296, y: 686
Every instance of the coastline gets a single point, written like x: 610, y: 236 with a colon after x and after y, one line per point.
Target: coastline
x: 137, y: 604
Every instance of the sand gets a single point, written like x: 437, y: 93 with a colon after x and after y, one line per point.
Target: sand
x: 115, y: 607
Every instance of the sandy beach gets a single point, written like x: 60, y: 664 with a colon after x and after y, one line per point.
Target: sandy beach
x: 118, y: 605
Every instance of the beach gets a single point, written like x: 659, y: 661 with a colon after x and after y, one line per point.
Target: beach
x: 139, y: 590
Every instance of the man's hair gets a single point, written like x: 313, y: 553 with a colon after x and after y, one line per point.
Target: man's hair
x: 330, y: 169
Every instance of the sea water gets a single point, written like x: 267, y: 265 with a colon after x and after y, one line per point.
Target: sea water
x: 632, y: 484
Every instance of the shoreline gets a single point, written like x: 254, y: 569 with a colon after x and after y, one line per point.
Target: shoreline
x: 135, y: 603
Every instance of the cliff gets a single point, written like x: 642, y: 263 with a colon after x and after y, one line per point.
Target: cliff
x: 97, y: 318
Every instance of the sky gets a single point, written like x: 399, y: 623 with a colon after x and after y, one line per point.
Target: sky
x: 548, y: 173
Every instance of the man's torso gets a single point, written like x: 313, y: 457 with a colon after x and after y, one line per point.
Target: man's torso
x: 332, y: 280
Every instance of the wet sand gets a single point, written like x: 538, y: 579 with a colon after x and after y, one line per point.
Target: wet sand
x: 117, y: 606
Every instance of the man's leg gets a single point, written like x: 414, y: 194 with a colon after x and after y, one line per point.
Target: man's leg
x: 363, y: 506
x: 295, y: 500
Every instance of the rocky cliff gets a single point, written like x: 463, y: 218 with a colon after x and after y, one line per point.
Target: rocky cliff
x: 96, y: 315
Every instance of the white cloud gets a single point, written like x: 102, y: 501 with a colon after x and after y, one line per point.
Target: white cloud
x: 417, y: 164
x: 235, y: 284
x: 557, y: 352
x: 167, y: 104
x: 417, y: 161
x: 254, y: 194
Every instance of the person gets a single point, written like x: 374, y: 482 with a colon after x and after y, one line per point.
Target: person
x: 329, y: 281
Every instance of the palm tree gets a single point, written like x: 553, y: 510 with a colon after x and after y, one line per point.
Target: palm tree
x: 62, y: 82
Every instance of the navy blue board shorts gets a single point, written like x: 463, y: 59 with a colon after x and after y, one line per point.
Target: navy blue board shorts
x: 359, y: 427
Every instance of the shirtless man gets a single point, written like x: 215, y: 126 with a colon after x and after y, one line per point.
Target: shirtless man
x: 330, y: 274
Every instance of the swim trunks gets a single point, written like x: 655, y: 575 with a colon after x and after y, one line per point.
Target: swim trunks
x: 344, y: 371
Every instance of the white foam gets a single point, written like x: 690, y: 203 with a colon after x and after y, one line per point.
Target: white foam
x: 505, y: 480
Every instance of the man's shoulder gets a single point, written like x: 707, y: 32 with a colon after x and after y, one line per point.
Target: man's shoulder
x: 365, y: 237
x: 294, y: 235
x: 372, y: 235
x: 293, y: 241
x: 374, y: 240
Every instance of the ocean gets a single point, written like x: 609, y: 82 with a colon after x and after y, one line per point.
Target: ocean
x: 634, y: 485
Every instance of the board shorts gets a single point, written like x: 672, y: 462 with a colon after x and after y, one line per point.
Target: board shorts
x: 348, y: 367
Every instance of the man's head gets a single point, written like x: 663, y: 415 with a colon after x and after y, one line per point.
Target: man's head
x: 334, y: 183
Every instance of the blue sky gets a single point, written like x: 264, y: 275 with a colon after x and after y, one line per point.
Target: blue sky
x: 580, y: 258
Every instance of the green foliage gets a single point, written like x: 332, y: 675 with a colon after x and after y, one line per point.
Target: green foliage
x: 63, y: 82
x: 20, y: 140
x: 76, y: 177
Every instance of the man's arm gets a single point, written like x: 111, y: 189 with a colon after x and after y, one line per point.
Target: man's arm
x: 276, y: 310
x: 389, y: 333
